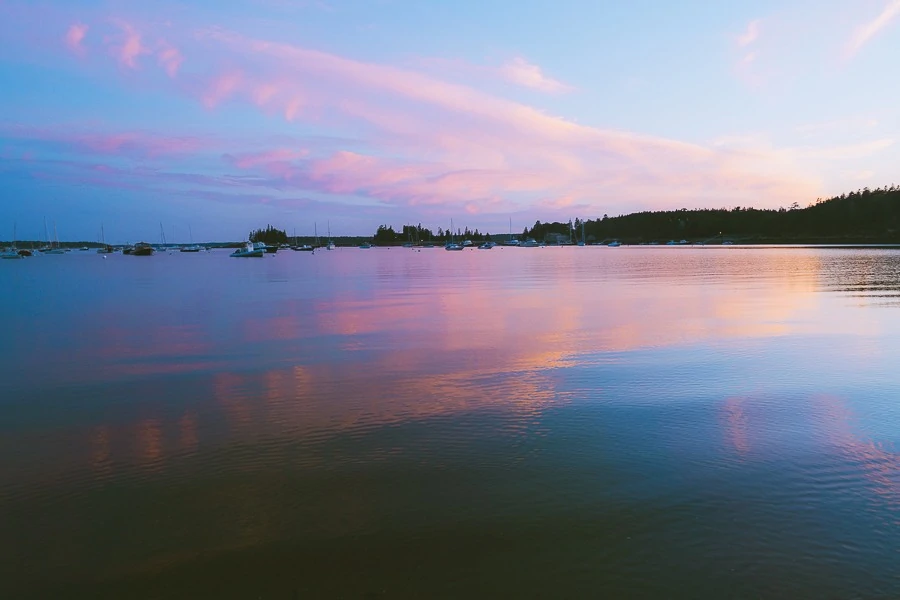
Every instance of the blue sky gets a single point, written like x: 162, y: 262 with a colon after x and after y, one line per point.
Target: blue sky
x: 230, y: 116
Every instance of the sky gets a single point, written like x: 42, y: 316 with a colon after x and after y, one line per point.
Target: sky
x: 213, y: 118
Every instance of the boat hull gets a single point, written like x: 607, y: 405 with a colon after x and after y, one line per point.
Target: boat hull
x: 248, y: 254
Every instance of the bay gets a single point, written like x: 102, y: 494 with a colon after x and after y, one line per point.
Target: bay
x: 697, y: 422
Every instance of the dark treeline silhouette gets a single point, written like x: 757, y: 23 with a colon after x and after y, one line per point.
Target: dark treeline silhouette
x: 863, y: 216
x: 269, y: 235
x: 387, y: 236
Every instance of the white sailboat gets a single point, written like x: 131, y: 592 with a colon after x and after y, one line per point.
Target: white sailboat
x: 451, y: 245
x: 11, y: 252
x: 193, y: 247
x: 330, y: 245
x: 53, y: 249
x: 510, y: 241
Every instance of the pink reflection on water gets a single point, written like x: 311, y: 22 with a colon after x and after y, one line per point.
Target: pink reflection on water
x: 735, y: 425
x: 881, y: 466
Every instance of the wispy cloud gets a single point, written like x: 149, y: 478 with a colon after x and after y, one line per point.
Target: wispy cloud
x: 74, y: 37
x: 865, y: 32
x: 521, y: 72
x: 127, y: 45
x: 169, y: 58
x: 516, y: 71
x: 748, y: 52
x: 837, y: 125
x: 426, y: 141
x: 750, y: 34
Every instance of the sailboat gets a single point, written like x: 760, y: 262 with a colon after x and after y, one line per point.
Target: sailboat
x: 51, y: 249
x: 105, y: 248
x: 510, y: 241
x: 162, y: 238
x: 451, y: 245
x: 193, y: 247
x: 11, y: 252
x: 330, y: 245
x: 581, y: 243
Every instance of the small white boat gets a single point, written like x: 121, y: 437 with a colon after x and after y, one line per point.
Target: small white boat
x: 453, y: 246
x: 10, y: 253
x: 249, y: 251
x: 365, y: 245
x: 614, y: 244
x: 487, y: 245
x: 529, y: 243
x: 193, y: 248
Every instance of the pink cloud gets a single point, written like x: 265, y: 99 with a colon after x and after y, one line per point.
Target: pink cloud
x: 221, y: 88
x: 426, y: 141
x: 127, y: 46
x: 169, y: 58
x: 135, y: 144
x: 75, y: 36
x: 521, y: 72
x: 865, y: 32
x: 750, y: 35
x: 249, y: 161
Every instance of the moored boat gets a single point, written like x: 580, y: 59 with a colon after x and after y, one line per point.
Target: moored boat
x: 249, y: 250
x: 142, y: 249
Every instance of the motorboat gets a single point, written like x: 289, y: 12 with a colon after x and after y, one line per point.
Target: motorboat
x: 487, y: 245
x: 614, y: 244
x: 303, y: 248
x: 365, y: 245
x: 193, y: 248
x: 266, y: 248
x: 10, y: 253
x: 249, y: 250
x: 142, y: 249
x: 453, y: 246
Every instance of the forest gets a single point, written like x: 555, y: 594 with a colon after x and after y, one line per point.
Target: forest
x: 269, y: 236
x: 863, y: 216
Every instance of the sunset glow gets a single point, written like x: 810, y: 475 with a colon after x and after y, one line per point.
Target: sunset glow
x: 294, y: 113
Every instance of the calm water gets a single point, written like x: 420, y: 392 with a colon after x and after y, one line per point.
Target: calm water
x: 547, y: 422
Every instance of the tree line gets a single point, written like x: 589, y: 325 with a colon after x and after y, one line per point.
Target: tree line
x: 864, y: 216
x: 385, y: 235
x: 269, y: 236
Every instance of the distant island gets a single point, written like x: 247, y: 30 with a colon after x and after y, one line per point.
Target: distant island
x: 861, y: 217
